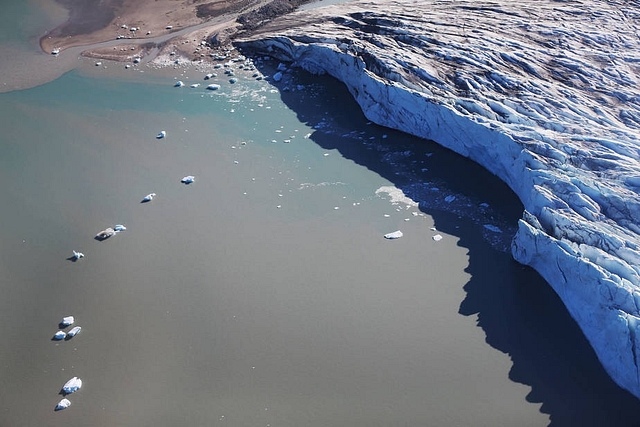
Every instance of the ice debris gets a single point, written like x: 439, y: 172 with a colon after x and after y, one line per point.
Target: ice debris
x: 395, y: 235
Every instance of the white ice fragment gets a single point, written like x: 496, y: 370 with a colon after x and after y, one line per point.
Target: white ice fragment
x: 105, y: 234
x: 188, y: 179
x: 437, y: 237
x: 179, y: 83
x: 63, y: 404
x: 66, y: 321
x: 78, y: 255
x: 119, y: 227
x: 493, y: 228
x: 71, y: 386
x: 395, y: 235
x: 148, y: 197
x: 60, y: 335
x: 195, y: 85
x: 213, y: 87
x: 74, y: 331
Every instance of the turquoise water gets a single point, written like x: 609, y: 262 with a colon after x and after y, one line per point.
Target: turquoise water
x: 264, y: 293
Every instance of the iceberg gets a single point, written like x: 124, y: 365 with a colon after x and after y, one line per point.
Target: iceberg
x: 67, y: 321
x: 63, y: 404
x: 71, y: 386
x: 213, y: 87
x: 148, y: 198
x: 543, y: 94
x: 60, y: 335
x: 179, y: 83
x: 395, y: 235
x: 161, y: 135
x: 74, y: 331
x: 78, y: 255
x: 188, y: 179
x: 105, y: 234
x: 119, y: 227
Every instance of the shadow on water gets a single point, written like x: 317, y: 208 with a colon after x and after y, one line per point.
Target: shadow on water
x: 517, y: 310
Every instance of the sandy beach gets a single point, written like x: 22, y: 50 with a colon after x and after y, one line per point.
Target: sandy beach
x: 135, y: 22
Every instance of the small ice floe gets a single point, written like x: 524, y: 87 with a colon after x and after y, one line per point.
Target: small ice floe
x: 213, y: 87
x: 60, y: 335
x: 78, y: 255
x: 233, y: 80
x: 66, y: 321
x: 119, y: 227
x: 493, y: 228
x: 179, y: 83
x: 55, y: 51
x: 208, y: 76
x: 161, y: 135
x: 148, y: 198
x: 395, y: 235
x: 74, y: 331
x: 188, y: 179
x: 437, y: 237
x: 277, y: 76
x: 71, y: 386
x: 63, y: 404
x: 105, y: 234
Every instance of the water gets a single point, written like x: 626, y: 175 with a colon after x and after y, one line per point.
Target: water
x: 247, y: 298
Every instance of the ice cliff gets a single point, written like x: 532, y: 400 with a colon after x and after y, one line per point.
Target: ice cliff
x: 544, y: 94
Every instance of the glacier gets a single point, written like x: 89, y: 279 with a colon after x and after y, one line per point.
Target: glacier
x: 543, y: 94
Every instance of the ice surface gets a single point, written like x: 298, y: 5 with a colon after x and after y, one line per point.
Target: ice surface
x: 74, y: 331
x: 63, y: 404
x: 66, y: 321
x: 395, y: 235
x: 71, y: 386
x: 544, y: 94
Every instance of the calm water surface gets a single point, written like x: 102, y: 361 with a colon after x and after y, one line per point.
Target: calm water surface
x: 264, y: 294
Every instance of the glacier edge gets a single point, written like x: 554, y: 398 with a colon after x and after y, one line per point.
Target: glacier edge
x: 551, y: 112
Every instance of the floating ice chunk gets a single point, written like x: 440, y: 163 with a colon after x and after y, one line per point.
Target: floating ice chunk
x: 74, y: 331
x: 188, y: 179
x: 66, y: 321
x: 78, y: 255
x: 105, y: 234
x: 63, y: 404
x: 148, y: 197
x: 119, y: 227
x: 179, y: 83
x: 213, y: 87
x: 233, y: 80
x: 395, y: 235
x: 60, y: 335
x: 71, y: 386
x: 437, y: 237
x: 493, y: 228
x: 161, y: 135
x: 208, y: 76
x: 277, y: 76
x: 195, y: 85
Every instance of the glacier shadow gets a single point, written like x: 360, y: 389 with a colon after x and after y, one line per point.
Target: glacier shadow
x: 518, y: 311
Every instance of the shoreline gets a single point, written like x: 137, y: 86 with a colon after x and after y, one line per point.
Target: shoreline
x: 150, y: 28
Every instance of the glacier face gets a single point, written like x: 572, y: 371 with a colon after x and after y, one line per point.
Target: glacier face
x: 541, y: 93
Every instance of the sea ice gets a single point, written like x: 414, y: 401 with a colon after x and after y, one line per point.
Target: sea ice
x: 188, y: 179
x: 63, y: 404
x: 60, y: 335
x: 148, y: 197
x: 67, y: 321
x: 119, y: 227
x: 161, y: 135
x: 74, y: 331
x: 71, y: 386
x: 78, y: 255
x: 395, y: 235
